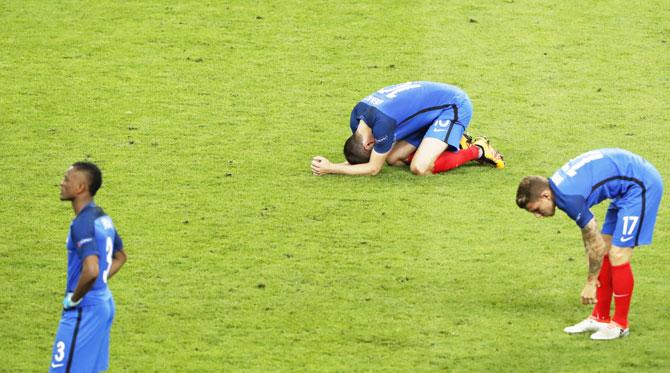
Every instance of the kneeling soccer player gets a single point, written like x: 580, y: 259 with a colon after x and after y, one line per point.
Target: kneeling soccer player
x: 420, y: 121
x: 635, y: 188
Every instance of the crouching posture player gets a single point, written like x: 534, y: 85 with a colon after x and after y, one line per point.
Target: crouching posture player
x: 94, y: 254
x: 420, y: 123
x: 635, y: 189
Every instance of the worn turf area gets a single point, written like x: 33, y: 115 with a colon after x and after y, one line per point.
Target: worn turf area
x: 204, y: 116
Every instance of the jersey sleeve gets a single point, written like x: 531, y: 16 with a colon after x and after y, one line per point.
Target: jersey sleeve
x: 574, y: 206
x: 83, y: 237
x: 118, y: 243
x: 384, y: 138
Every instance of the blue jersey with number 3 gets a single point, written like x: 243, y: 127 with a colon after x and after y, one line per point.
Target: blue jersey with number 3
x: 91, y: 233
x: 597, y: 175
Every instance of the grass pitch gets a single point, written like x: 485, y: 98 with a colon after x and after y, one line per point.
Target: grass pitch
x: 204, y: 117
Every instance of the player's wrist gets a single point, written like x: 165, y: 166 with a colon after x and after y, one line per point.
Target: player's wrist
x: 69, y: 303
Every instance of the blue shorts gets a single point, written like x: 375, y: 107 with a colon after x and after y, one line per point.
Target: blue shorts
x: 630, y: 220
x: 82, y: 339
x: 448, y: 127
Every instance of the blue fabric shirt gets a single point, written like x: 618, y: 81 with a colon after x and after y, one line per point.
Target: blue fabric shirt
x: 91, y: 233
x: 405, y: 108
x: 594, y: 176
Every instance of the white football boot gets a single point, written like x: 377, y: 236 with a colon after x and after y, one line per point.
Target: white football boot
x: 612, y: 331
x: 588, y: 325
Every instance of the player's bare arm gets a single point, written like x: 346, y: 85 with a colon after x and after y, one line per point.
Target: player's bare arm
x: 595, y: 249
x: 322, y: 166
x: 89, y: 273
x: 118, y: 260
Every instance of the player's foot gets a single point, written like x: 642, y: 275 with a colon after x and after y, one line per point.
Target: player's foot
x: 588, y: 325
x: 466, y: 141
x: 489, y: 155
x: 612, y: 331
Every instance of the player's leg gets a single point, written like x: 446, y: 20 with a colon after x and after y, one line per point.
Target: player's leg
x: 635, y: 226
x: 622, y: 289
x: 425, y: 156
x: 620, y: 277
x: 444, y: 134
x: 448, y: 160
x: 90, y: 337
x: 102, y: 363
x: 601, y: 310
x: 65, y: 338
x: 399, y: 153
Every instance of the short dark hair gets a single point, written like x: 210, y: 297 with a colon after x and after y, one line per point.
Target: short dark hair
x: 530, y: 189
x: 93, y: 174
x: 355, y: 152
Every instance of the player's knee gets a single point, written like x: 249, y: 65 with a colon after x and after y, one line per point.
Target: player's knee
x: 619, y: 256
x: 420, y: 170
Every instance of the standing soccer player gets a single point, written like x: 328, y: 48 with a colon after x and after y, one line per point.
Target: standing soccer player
x: 635, y: 188
x: 422, y: 121
x: 95, y: 253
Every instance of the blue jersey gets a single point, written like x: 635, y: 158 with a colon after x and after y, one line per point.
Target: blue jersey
x: 91, y: 233
x: 597, y: 175
x: 399, y: 110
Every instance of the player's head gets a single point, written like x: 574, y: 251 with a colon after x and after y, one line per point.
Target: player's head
x: 82, y: 178
x: 356, y: 150
x: 535, y: 196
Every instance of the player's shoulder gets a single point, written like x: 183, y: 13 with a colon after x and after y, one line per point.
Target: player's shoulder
x: 89, y: 215
x: 561, y: 182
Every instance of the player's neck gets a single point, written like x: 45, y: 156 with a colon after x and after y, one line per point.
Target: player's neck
x: 80, y: 202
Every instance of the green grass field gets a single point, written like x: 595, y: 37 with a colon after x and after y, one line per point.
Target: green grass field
x: 204, y: 118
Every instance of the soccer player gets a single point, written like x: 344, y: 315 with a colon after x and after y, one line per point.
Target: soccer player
x: 422, y: 122
x: 635, y: 189
x: 95, y: 253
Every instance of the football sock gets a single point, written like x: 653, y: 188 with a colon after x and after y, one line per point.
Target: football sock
x: 622, y: 285
x: 448, y: 160
x: 601, y: 311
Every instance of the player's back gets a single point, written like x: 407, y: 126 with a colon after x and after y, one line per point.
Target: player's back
x: 401, y: 101
x: 92, y: 233
x: 602, y: 174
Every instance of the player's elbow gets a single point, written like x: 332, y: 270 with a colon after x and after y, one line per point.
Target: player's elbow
x: 121, y: 257
x: 91, y: 271
x: 375, y: 170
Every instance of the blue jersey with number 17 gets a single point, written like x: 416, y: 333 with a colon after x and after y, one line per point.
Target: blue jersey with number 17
x: 597, y: 175
x: 91, y: 233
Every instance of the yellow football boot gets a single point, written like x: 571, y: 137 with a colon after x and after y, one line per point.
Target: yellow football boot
x: 489, y: 155
x: 466, y: 141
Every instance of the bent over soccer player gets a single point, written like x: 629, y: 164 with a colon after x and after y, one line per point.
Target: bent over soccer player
x: 635, y: 189
x: 94, y: 254
x: 413, y: 120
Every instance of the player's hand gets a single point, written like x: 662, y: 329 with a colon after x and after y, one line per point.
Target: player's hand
x: 68, y: 303
x: 589, y: 292
x: 320, y: 166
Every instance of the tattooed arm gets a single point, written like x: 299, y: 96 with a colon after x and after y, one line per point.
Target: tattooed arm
x: 595, y: 249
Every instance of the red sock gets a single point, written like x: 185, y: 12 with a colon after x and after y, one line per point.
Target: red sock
x: 409, y: 158
x: 601, y: 311
x: 447, y: 160
x: 622, y: 285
